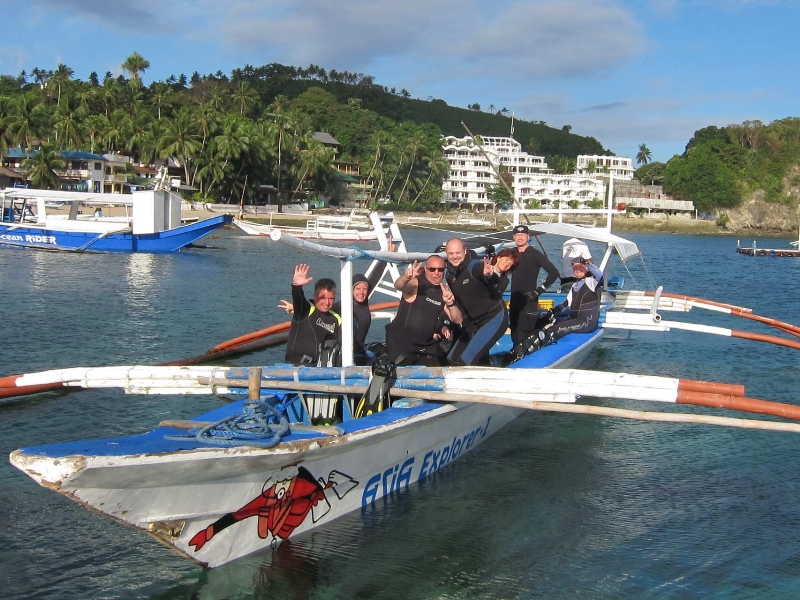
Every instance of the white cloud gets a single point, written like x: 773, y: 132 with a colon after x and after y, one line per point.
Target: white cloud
x: 448, y: 38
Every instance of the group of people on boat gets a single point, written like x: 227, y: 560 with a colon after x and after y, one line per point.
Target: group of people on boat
x: 452, y: 310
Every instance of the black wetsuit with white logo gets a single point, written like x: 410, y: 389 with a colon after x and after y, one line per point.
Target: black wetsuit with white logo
x: 485, y: 315
x: 411, y: 331
x: 309, y: 329
x: 584, y: 305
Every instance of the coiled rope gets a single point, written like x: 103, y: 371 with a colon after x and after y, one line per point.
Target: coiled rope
x: 262, y: 423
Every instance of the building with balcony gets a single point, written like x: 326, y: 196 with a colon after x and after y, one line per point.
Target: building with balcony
x: 82, y: 171
x: 619, y: 167
x: 473, y: 173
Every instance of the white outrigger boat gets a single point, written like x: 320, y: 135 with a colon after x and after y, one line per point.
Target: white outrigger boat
x: 335, y: 228
x: 260, y: 470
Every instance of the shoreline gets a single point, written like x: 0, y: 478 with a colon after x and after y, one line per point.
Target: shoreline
x: 621, y: 224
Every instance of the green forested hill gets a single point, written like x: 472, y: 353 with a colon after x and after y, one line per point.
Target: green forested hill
x: 724, y: 165
x: 231, y: 135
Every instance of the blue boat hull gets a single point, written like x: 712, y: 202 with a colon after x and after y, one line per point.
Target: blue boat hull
x: 31, y: 236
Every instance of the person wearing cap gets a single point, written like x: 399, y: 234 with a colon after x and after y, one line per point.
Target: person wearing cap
x: 525, y: 291
x: 572, y: 248
x: 583, y: 302
x: 423, y: 319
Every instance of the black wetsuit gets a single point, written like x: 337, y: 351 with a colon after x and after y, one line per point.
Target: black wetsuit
x: 483, y: 309
x: 309, y: 329
x: 362, y: 314
x: 525, y: 291
x: 409, y: 337
x: 583, y: 302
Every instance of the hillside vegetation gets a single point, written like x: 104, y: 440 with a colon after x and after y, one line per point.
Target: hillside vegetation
x: 231, y: 135
x: 724, y: 167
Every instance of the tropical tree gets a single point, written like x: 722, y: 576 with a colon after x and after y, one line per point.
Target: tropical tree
x: 135, y: 65
x: 68, y: 125
x: 314, y: 162
x: 93, y: 128
x: 161, y: 96
x: 245, y: 97
x: 118, y: 130
x: 22, y: 119
x: 40, y: 168
x: 181, y: 140
x: 61, y: 78
x: 438, y: 168
x: 644, y: 155
x: 413, y: 149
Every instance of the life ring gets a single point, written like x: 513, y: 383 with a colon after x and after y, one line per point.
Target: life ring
x: 762, y: 253
x: 772, y: 254
x: 621, y: 206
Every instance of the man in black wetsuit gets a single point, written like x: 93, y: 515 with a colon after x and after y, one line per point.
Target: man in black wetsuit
x: 413, y: 336
x: 474, y: 283
x: 314, y: 326
x: 525, y: 291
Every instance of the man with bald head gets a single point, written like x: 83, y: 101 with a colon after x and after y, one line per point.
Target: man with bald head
x: 474, y: 284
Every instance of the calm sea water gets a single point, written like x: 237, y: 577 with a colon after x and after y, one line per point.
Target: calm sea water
x: 557, y: 506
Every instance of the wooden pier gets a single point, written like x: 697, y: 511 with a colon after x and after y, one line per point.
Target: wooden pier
x: 771, y: 252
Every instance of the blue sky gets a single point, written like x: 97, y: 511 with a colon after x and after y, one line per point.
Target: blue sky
x: 624, y: 71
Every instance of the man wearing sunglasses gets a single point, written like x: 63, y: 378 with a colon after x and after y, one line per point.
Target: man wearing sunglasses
x: 426, y: 308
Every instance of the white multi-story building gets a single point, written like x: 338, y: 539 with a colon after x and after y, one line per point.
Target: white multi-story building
x: 619, y: 167
x: 471, y: 175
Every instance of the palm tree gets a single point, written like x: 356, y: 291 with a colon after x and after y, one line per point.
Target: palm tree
x: 110, y: 93
x: 245, y: 96
x: 161, y: 96
x: 40, y: 168
x: 22, y: 119
x: 135, y: 64
x: 61, y: 78
x: 315, y: 162
x: 413, y: 149
x: 68, y: 125
x: 378, y: 142
x: 644, y: 155
x: 5, y: 132
x: 438, y: 167
x: 181, y: 139
x: 93, y: 128
x: 118, y: 130
x: 140, y: 127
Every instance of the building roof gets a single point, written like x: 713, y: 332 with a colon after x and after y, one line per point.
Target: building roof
x: 325, y: 138
x: 4, y: 172
x: 69, y: 154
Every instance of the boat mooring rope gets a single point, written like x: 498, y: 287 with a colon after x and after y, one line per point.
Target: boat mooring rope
x: 261, y: 423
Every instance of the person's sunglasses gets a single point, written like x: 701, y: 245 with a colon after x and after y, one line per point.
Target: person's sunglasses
x: 432, y: 269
